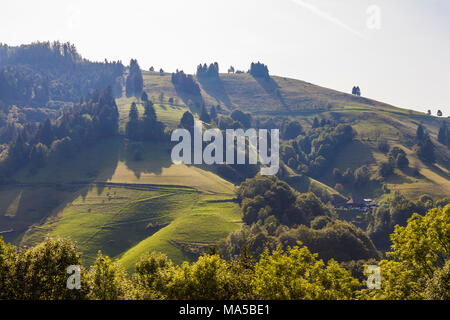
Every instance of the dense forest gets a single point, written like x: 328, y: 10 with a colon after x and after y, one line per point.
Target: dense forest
x: 42, y: 80
x: 36, y: 74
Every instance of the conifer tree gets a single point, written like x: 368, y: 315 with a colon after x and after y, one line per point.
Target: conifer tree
x: 144, y: 97
x: 135, y: 82
x: 132, y: 128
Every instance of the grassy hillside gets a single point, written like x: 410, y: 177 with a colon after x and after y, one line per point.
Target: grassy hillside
x: 140, y: 218
x: 294, y: 99
x: 105, y: 201
x: 118, y: 205
x: 196, y: 227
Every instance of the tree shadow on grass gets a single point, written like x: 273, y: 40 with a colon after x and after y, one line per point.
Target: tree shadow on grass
x: 272, y: 88
x: 155, y: 157
x: 398, y: 179
x: 411, y: 172
x: 35, y: 204
x: 193, y: 102
x: 215, y: 88
x: 439, y: 171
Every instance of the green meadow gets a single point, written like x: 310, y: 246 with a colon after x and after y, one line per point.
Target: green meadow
x: 138, y: 219
x: 129, y: 207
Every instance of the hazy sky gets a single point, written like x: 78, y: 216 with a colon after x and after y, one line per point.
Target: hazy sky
x: 403, y: 58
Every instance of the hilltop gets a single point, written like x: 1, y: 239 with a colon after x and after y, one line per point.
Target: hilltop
x: 284, y: 98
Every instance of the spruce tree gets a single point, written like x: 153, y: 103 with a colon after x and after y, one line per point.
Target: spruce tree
x: 144, y: 97
x: 149, y: 110
x: 135, y: 82
x: 132, y: 129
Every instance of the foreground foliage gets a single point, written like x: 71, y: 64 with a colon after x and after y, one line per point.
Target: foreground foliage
x: 418, y: 265
x: 417, y: 268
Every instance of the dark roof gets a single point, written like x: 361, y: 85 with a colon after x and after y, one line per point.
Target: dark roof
x: 356, y: 201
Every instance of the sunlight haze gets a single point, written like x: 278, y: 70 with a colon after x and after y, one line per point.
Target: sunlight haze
x: 404, y: 63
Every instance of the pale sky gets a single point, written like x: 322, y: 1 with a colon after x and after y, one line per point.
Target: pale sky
x: 406, y: 62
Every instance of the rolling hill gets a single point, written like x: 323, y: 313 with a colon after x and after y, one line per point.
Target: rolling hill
x: 294, y: 99
x: 106, y: 201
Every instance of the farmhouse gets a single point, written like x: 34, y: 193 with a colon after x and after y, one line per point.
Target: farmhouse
x: 359, y: 203
x: 355, y: 202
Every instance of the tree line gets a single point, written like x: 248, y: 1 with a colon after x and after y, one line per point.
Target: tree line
x: 36, y: 74
x: 259, y: 70
x: 94, y: 118
x: 211, y: 71
x: 356, y: 91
